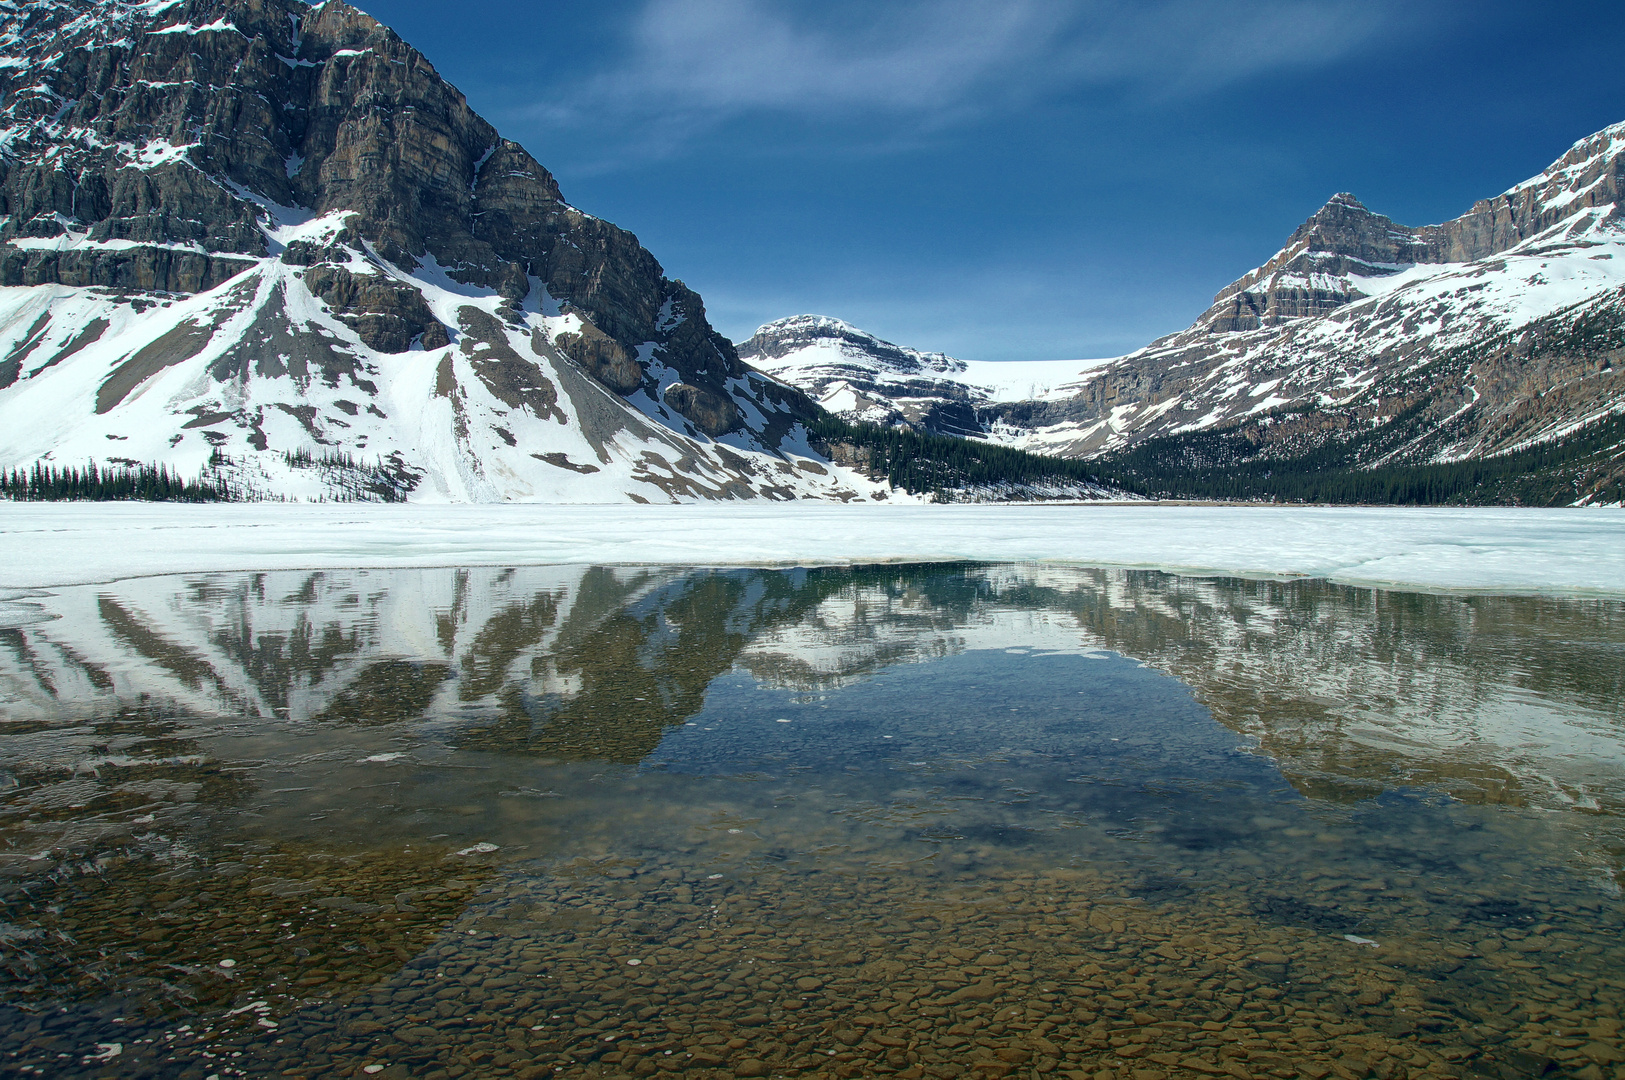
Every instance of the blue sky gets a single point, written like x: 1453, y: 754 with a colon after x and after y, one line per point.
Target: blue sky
x: 1026, y: 179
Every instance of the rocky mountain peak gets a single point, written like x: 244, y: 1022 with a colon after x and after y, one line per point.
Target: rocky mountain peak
x: 1343, y: 251
x: 1316, y: 271
x: 1345, y: 227
x: 169, y: 135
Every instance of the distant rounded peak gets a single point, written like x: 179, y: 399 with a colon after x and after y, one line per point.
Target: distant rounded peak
x: 813, y: 325
x: 783, y: 337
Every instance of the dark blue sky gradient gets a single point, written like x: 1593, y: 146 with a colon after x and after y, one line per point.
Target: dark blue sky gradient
x: 1015, y: 180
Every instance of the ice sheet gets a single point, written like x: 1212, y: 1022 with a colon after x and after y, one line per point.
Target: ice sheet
x: 1577, y: 551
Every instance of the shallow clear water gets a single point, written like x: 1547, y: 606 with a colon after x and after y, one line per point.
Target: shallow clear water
x: 931, y: 821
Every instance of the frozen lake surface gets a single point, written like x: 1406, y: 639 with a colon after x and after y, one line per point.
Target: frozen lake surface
x: 1505, y: 550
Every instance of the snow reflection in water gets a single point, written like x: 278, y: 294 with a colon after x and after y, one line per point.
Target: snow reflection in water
x: 916, y: 820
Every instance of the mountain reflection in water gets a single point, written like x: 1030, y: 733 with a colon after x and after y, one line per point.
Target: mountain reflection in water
x: 347, y: 785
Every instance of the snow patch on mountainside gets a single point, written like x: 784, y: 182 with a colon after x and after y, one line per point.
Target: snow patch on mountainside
x: 99, y: 378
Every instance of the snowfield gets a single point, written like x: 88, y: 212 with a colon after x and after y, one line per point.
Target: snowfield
x: 1577, y: 552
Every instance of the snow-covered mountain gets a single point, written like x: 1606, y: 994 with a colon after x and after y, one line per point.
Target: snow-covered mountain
x: 1494, y: 328
x: 267, y: 241
x: 861, y: 377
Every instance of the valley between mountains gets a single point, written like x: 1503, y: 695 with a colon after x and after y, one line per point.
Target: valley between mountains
x: 264, y: 249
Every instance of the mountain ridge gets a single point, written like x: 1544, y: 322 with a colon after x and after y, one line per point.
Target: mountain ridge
x: 1355, y: 322
x: 867, y: 379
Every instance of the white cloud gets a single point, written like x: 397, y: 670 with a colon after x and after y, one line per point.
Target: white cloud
x: 691, y: 64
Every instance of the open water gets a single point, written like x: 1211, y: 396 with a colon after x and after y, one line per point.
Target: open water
x: 935, y: 821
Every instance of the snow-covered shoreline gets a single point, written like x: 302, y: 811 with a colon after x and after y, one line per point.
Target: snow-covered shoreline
x: 1572, y: 552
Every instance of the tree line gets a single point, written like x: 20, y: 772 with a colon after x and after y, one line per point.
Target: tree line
x: 1549, y: 474
x: 1191, y: 466
x: 146, y: 483
x: 923, y: 464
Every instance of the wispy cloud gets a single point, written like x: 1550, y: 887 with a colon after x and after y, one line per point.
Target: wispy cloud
x: 689, y: 65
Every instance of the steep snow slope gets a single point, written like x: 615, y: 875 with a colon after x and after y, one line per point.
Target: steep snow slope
x: 265, y: 240
x: 233, y: 381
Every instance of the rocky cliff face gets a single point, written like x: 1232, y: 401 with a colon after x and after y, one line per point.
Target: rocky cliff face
x: 1321, y: 268
x: 254, y: 227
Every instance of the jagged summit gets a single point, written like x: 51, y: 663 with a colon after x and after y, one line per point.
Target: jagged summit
x: 253, y: 231
x: 1343, y: 251
x: 1320, y: 268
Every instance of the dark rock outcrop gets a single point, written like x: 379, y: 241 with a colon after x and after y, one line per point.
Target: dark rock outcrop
x: 386, y: 314
x: 710, y: 412
x: 602, y: 357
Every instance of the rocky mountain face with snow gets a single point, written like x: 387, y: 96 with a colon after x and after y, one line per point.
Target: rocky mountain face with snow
x: 1497, y: 330
x: 267, y: 241
x: 264, y: 243
x: 861, y: 377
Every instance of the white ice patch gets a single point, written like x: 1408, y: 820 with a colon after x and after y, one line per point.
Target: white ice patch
x: 1576, y: 551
